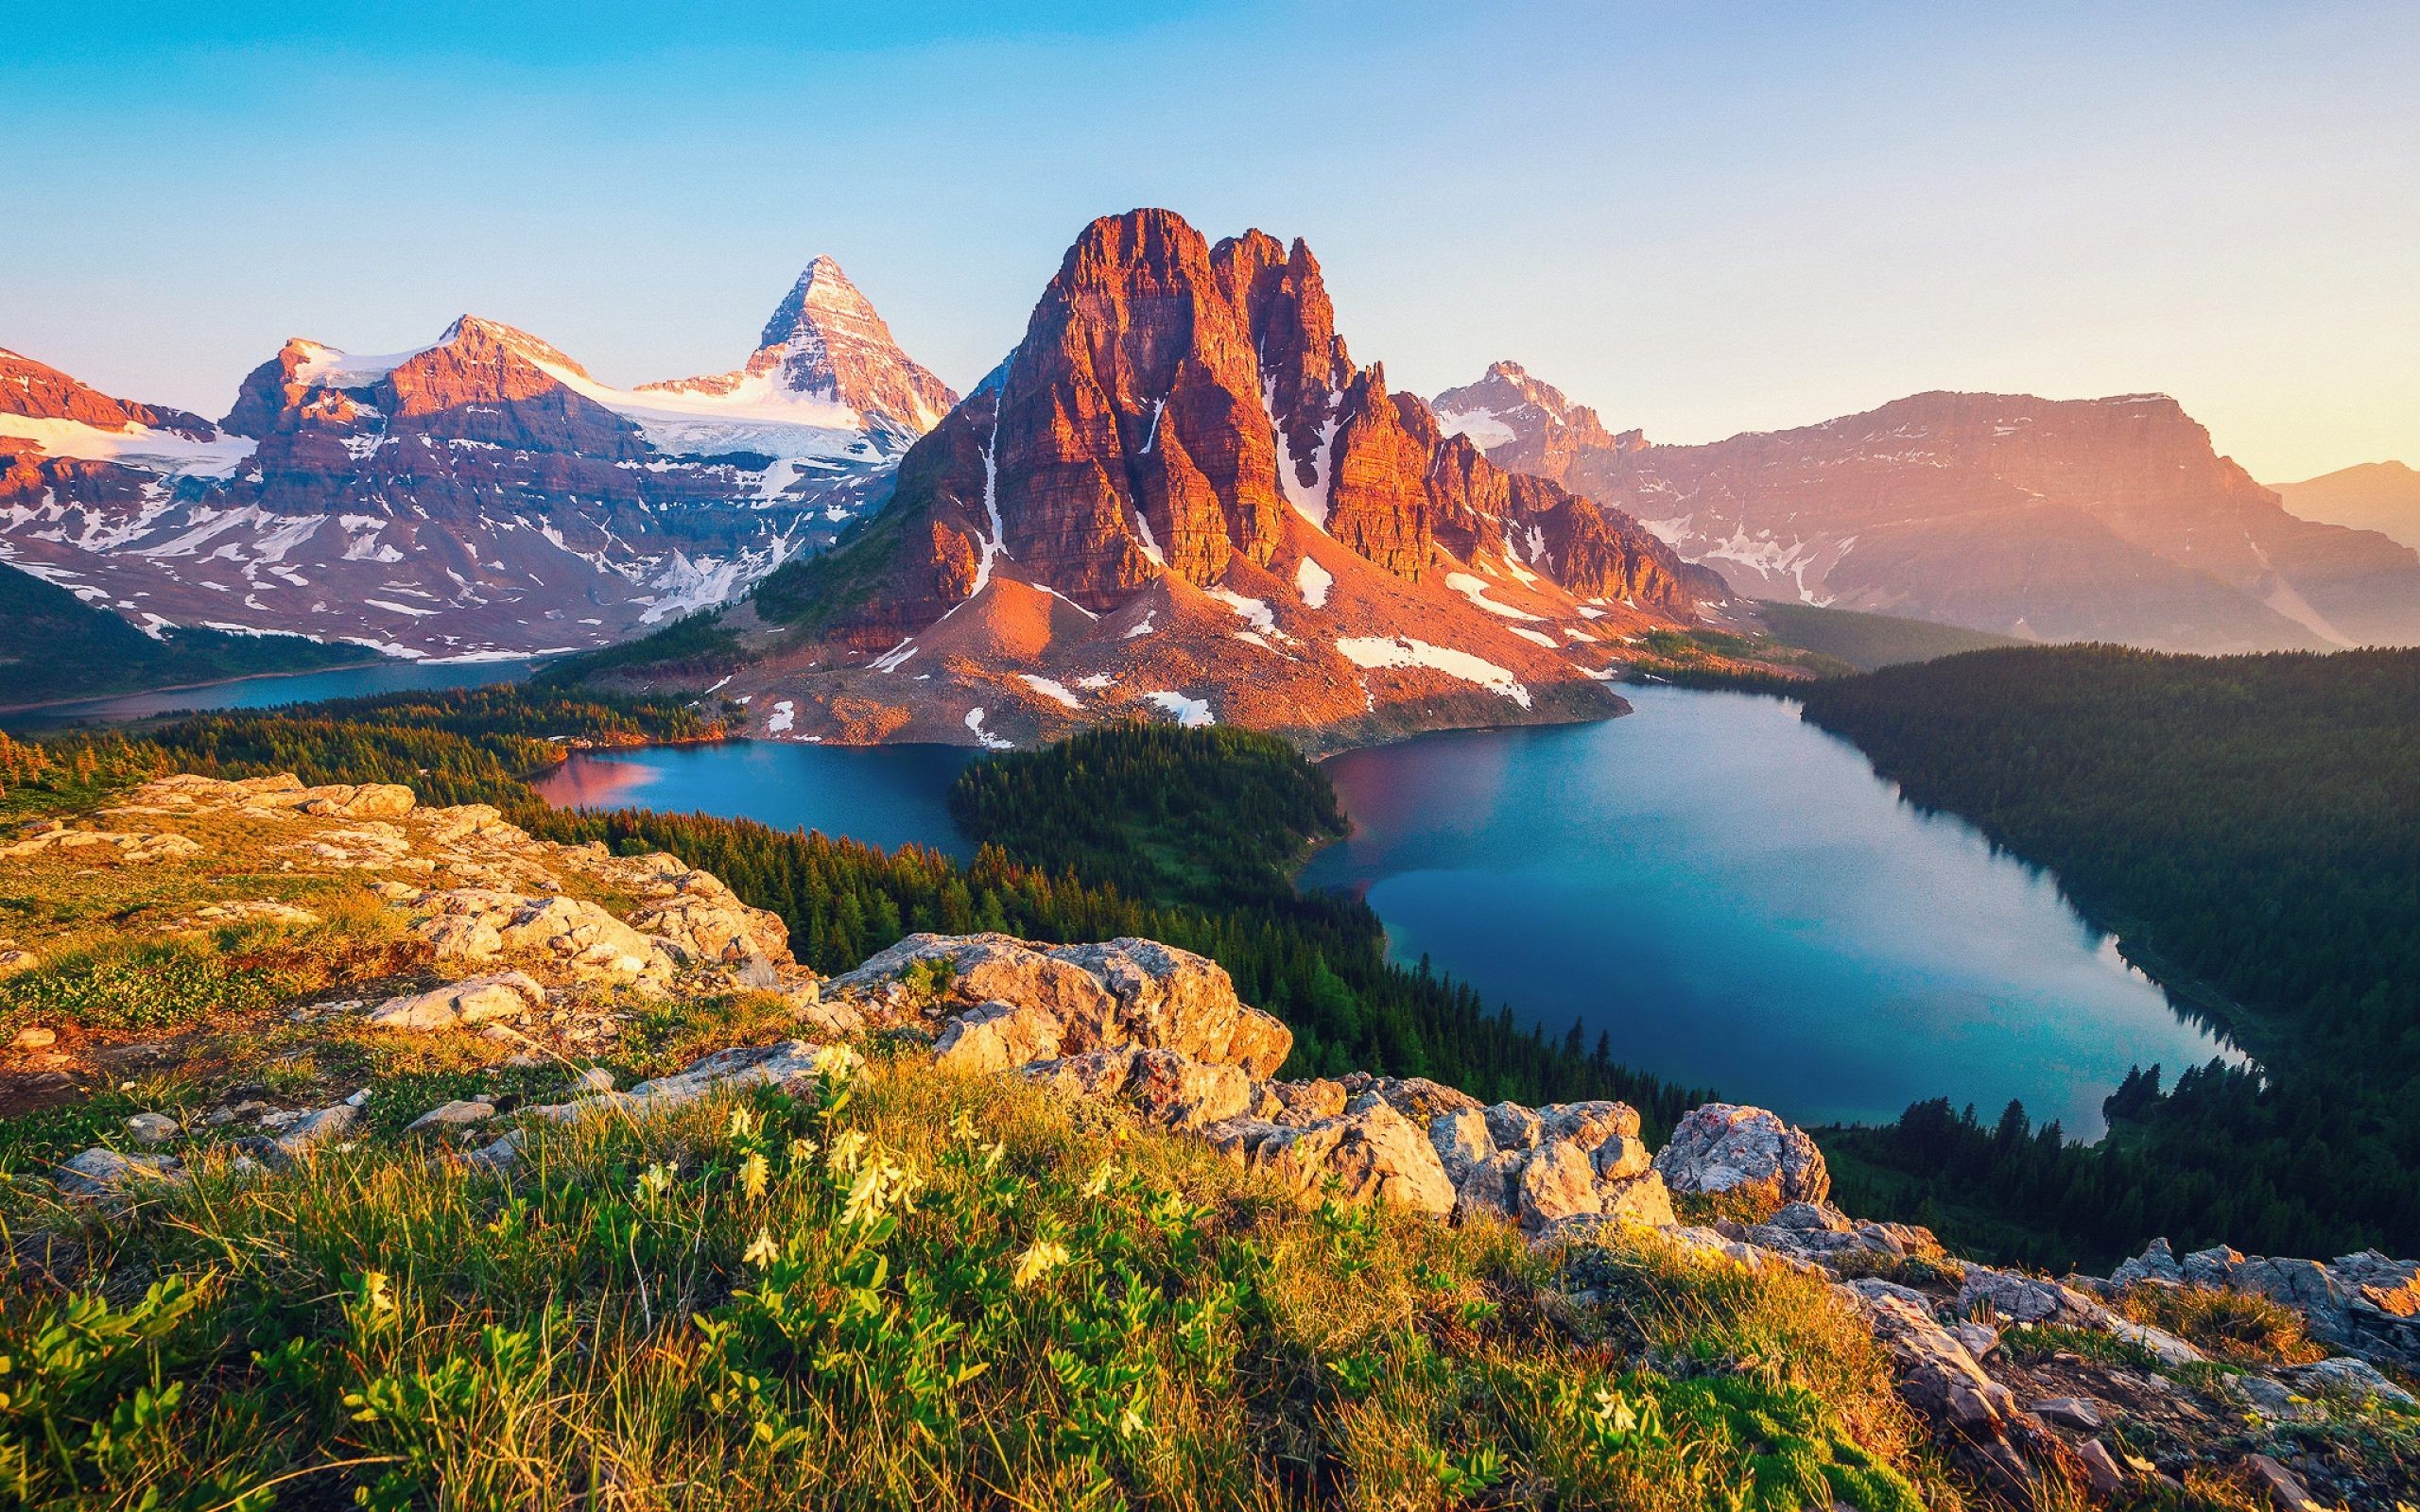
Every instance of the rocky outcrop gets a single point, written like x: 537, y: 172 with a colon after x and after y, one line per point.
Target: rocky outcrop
x: 999, y: 1002
x: 2366, y: 1302
x: 459, y: 1004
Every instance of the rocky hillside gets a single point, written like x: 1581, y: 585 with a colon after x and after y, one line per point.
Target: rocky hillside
x: 977, y: 1182
x: 2105, y: 519
x: 1181, y: 496
x: 482, y: 495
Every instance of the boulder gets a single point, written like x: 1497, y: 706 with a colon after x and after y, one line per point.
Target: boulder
x: 1555, y: 1182
x: 1373, y: 1154
x: 448, y: 1117
x: 793, y: 1065
x: 100, y: 1173
x: 1165, y: 1087
x: 153, y: 1128
x: 1514, y: 1127
x: 2157, y: 1262
x: 1722, y: 1147
x: 460, y: 1005
x: 308, y: 1134
x: 998, y: 1036
x: 1100, y: 996
x: 369, y: 800
x: 2017, y: 1298
x: 713, y: 927
x: 1415, y: 1097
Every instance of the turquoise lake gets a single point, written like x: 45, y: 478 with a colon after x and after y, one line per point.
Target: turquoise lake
x: 1739, y: 902
x: 1731, y: 895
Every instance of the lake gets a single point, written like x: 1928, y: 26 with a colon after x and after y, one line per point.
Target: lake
x: 1739, y: 902
x: 271, y: 691
x: 1729, y: 893
x: 888, y: 795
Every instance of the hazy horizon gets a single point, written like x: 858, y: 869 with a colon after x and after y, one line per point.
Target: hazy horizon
x: 1698, y: 220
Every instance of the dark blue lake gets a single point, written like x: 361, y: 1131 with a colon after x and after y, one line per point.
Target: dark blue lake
x: 1739, y: 903
x: 888, y: 795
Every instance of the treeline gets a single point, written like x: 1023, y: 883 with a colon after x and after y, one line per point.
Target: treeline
x: 2250, y: 826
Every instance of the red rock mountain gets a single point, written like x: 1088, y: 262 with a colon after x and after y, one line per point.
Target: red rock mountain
x: 481, y: 495
x: 1180, y: 492
x: 2108, y: 519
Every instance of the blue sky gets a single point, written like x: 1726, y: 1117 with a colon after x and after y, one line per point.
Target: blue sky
x: 1698, y: 218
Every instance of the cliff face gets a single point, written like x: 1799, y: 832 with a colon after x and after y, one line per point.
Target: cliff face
x: 2108, y: 519
x: 1181, y: 455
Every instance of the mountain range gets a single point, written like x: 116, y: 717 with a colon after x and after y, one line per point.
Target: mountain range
x: 1179, y: 493
x: 2104, y: 519
x: 483, y: 495
x: 1181, y: 496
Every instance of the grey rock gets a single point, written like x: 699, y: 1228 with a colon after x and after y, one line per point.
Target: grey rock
x: 100, y: 1173
x: 154, y: 1129
x: 446, y: 1117
x: 1722, y: 1147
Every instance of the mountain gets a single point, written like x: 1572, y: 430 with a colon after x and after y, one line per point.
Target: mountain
x: 2105, y: 519
x: 1179, y: 494
x: 482, y: 495
x: 2381, y: 496
x: 826, y: 343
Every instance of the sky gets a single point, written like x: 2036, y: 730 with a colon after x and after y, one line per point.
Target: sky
x: 1700, y: 218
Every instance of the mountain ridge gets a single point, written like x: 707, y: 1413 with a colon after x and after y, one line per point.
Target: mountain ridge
x: 481, y: 495
x: 2111, y: 518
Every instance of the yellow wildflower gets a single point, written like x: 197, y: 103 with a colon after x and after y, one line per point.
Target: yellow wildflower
x: 753, y: 1173
x: 1041, y: 1258
x: 761, y: 1250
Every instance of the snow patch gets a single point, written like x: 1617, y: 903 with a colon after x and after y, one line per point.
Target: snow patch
x: 1050, y: 689
x: 1313, y: 581
x: 984, y: 737
x: 785, y: 714
x: 1404, y: 651
x: 1193, y: 713
x: 1475, y: 589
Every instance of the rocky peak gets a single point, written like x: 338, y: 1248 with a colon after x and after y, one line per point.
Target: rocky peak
x: 1523, y: 423
x: 39, y: 391
x: 1170, y: 402
x: 825, y: 342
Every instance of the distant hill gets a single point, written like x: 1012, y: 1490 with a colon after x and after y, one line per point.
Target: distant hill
x: 2111, y: 518
x: 54, y: 646
x: 1867, y: 642
x: 2381, y: 496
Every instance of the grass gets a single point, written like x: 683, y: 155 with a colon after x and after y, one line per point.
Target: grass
x: 2235, y: 1327
x: 906, y: 1290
